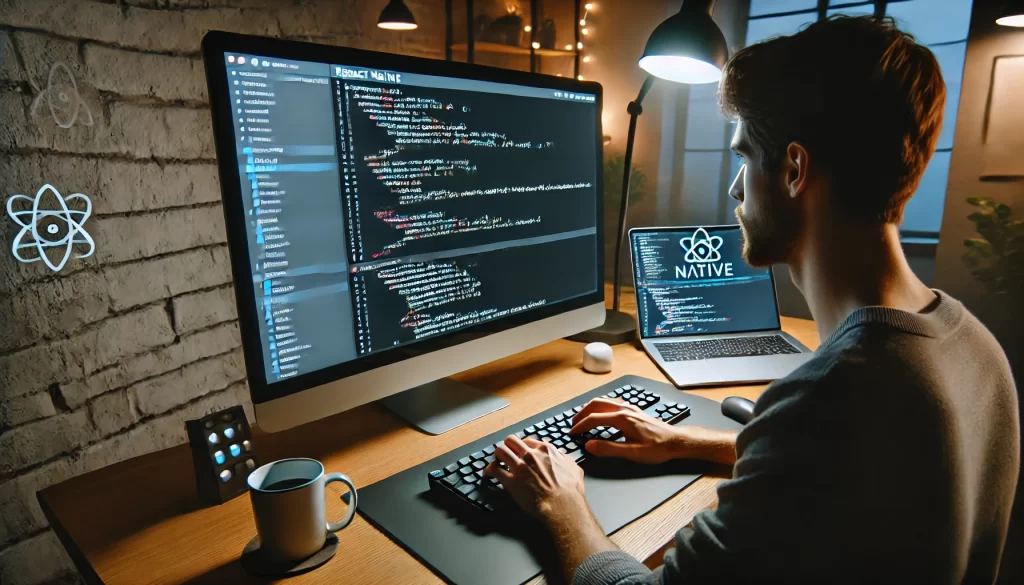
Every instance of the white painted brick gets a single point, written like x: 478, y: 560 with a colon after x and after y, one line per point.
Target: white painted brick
x: 112, y: 412
x: 138, y: 283
x: 51, y: 308
x: 142, y: 132
x: 189, y: 349
x: 38, y: 441
x: 21, y: 514
x: 9, y: 68
x: 194, y: 380
x: 40, y: 52
x: 130, y: 186
x: 37, y: 560
x: 132, y: 73
x: 199, y: 310
x: 121, y: 336
x: 119, y: 239
x: 25, y: 409
x: 34, y: 369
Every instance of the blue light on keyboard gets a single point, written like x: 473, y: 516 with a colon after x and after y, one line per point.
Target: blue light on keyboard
x: 219, y: 457
x: 235, y: 450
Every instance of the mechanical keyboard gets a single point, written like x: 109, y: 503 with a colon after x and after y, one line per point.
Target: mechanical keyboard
x: 463, y: 481
x: 725, y: 347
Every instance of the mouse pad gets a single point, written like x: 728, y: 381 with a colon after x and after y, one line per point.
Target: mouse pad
x: 510, y: 548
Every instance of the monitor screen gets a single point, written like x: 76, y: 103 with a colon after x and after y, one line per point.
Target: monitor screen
x: 383, y: 208
x: 693, y: 281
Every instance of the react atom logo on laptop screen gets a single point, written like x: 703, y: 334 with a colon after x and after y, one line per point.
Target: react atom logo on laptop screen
x: 702, y: 256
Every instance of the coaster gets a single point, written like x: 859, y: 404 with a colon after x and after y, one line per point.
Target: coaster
x: 255, y: 564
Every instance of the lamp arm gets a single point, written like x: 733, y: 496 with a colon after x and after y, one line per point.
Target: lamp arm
x: 634, y: 109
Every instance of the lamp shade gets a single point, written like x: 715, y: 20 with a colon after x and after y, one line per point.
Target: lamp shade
x: 1011, y: 13
x: 396, y: 16
x: 688, y: 47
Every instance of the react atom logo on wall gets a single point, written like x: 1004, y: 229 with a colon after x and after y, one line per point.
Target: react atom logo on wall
x: 49, y: 225
x: 703, y: 256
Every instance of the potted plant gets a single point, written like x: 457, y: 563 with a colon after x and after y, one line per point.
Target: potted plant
x: 997, y: 256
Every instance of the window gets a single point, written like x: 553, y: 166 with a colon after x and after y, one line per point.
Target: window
x: 939, y: 24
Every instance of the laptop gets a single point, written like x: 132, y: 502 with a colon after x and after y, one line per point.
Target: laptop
x: 705, y: 316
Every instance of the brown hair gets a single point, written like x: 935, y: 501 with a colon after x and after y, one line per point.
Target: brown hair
x: 862, y: 96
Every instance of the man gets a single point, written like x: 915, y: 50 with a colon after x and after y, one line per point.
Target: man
x: 891, y: 456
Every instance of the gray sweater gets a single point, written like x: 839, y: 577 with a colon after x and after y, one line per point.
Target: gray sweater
x: 890, y: 457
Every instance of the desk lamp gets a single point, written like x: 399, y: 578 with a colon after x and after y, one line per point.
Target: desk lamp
x: 686, y: 48
x: 1011, y: 13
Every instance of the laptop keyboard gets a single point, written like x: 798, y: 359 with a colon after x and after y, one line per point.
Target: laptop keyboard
x: 727, y: 347
x: 464, y: 478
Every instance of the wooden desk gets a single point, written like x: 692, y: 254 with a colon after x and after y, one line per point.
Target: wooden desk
x: 139, y: 521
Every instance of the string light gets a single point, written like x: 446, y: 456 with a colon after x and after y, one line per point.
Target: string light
x: 586, y: 59
x: 583, y: 22
x: 588, y: 6
x: 579, y: 45
x: 585, y: 31
x: 535, y: 45
x: 580, y: 77
x: 568, y: 47
x: 527, y: 28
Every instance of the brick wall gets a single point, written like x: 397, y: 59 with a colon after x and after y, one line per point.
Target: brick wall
x: 105, y: 360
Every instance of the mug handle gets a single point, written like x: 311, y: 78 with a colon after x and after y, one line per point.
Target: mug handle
x: 336, y: 526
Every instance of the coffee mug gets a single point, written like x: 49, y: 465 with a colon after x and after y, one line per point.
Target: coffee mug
x: 289, y: 504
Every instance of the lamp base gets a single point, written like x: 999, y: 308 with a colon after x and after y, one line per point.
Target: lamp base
x: 618, y: 328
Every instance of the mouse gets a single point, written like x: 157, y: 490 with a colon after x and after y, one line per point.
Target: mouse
x: 738, y: 409
x: 598, y: 358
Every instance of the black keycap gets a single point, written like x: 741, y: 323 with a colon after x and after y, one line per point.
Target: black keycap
x: 474, y: 496
x: 558, y: 442
x: 559, y: 417
x: 634, y: 400
x: 660, y: 408
x: 466, y: 470
x: 452, y: 480
x: 489, y: 450
x: 469, y: 478
x: 543, y: 433
x: 437, y: 474
x: 452, y: 468
x: 464, y: 461
x: 531, y: 430
x: 550, y: 420
x: 466, y: 489
x: 642, y: 404
x: 571, y: 446
x: 626, y: 388
x: 613, y: 430
x: 479, y: 464
x: 674, y: 411
x: 605, y: 435
x: 489, y: 458
x: 478, y: 455
x: 479, y: 474
x: 666, y: 415
x: 569, y: 413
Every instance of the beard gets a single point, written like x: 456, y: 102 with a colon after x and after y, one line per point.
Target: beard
x: 770, y: 235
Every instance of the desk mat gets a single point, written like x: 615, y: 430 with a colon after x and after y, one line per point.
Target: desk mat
x: 476, y: 549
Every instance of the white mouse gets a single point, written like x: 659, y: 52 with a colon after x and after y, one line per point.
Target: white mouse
x: 597, y: 358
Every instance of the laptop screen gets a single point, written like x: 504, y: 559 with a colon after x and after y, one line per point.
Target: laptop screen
x: 693, y: 281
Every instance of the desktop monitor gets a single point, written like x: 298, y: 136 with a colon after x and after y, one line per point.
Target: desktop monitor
x: 394, y: 220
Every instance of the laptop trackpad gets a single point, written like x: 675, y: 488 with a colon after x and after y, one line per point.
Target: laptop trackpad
x: 695, y: 372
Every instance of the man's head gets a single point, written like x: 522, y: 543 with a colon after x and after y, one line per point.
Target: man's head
x: 835, y: 124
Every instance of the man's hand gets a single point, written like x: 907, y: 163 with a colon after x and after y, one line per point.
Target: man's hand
x: 542, y: 480
x: 549, y: 485
x: 648, y: 439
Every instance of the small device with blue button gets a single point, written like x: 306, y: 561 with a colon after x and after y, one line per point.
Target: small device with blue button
x: 222, y: 454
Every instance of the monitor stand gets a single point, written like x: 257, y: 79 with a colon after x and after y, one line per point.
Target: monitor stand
x: 442, y: 405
